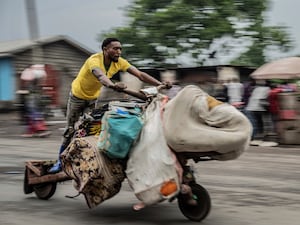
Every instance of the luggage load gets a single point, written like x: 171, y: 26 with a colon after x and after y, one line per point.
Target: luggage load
x: 89, y: 123
x: 121, y: 126
x: 95, y: 175
x: 154, y: 171
x: 151, y: 167
x: 193, y: 121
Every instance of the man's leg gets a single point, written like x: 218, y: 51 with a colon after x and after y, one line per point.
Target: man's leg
x: 250, y: 115
x: 75, y: 108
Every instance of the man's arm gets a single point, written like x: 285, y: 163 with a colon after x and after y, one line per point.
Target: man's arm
x: 102, y: 77
x: 143, y: 76
x: 106, y: 81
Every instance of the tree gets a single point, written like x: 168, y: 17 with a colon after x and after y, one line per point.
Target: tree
x: 160, y: 31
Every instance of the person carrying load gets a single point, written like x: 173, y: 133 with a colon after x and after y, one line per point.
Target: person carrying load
x: 96, y: 72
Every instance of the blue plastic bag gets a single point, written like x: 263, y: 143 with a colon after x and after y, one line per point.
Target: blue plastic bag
x: 120, y: 128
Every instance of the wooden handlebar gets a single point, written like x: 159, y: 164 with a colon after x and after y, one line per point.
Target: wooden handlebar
x: 136, y: 94
x: 139, y: 94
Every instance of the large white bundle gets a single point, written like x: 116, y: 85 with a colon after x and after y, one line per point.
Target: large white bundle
x: 151, y: 163
x: 196, y: 122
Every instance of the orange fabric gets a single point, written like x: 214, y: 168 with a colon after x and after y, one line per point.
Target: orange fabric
x: 212, y: 102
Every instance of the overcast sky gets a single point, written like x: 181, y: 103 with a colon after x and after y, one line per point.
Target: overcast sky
x: 82, y: 20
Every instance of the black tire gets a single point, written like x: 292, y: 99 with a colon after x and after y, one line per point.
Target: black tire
x: 195, y: 212
x: 44, y: 191
x: 26, y: 187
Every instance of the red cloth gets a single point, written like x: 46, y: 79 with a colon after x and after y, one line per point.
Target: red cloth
x: 273, y: 100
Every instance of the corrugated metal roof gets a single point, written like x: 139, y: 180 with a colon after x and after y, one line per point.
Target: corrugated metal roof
x: 15, y: 46
x: 12, y: 46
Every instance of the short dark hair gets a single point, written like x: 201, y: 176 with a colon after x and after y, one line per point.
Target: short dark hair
x: 107, y: 41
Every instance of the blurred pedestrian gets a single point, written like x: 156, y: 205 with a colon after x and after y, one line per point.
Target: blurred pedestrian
x: 220, y: 91
x: 35, y: 123
x: 257, y: 108
x: 235, y: 90
x: 170, y: 77
x: 23, y: 110
x: 274, y: 104
x: 248, y: 88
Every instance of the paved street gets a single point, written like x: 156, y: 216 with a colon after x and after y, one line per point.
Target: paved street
x: 262, y: 187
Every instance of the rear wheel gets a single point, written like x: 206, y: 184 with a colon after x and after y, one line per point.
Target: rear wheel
x: 44, y: 191
x: 27, y: 188
x: 195, y: 212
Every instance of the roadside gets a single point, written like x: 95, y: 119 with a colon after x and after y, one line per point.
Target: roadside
x: 11, y: 127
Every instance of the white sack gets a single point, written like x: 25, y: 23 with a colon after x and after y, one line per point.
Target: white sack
x: 151, y: 162
x: 190, y: 125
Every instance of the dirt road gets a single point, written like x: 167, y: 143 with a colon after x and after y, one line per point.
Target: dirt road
x: 262, y: 187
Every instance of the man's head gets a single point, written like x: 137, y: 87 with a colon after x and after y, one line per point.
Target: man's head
x: 112, y: 49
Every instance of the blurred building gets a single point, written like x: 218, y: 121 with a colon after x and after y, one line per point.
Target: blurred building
x: 63, y: 58
x: 62, y: 55
x: 204, y: 76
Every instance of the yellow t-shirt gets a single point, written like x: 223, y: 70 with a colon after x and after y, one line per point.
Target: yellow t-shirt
x: 86, y: 86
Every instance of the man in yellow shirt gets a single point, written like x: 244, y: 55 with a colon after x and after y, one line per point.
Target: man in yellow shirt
x: 97, y: 71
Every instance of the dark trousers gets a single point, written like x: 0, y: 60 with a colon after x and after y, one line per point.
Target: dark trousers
x: 75, y: 108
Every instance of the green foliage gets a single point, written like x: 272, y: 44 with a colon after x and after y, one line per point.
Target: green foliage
x: 159, y: 31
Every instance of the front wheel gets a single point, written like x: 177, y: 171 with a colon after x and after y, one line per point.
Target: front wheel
x: 44, y: 191
x: 195, y: 212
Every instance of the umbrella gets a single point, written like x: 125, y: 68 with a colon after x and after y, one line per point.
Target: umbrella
x: 33, y: 72
x: 286, y: 68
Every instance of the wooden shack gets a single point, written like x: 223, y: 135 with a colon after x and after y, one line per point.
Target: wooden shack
x: 63, y: 56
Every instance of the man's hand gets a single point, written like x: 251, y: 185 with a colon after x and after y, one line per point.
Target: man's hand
x: 119, y: 86
x: 168, y: 84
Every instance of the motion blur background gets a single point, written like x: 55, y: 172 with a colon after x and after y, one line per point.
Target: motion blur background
x: 197, y: 42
